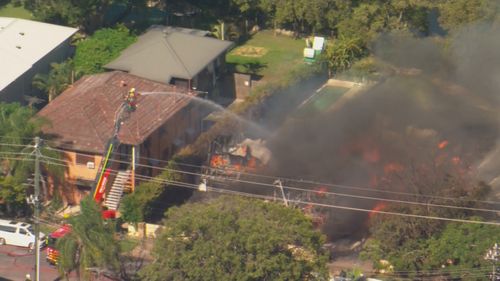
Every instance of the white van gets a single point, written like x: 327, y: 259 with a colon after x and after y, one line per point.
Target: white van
x: 19, y: 234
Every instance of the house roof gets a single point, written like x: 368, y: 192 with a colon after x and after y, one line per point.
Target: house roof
x: 24, y: 42
x: 166, y: 52
x: 82, y: 118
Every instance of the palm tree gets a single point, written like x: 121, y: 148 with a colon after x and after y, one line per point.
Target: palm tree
x: 59, y: 78
x: 90, y: 244
x: 18, y: 127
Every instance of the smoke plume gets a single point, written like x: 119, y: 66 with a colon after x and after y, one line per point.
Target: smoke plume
x: 437, y: 103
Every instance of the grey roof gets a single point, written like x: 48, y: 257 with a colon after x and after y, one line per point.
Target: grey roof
x: 25, y: 42
x: 166, y: 52
x: 172, y: 29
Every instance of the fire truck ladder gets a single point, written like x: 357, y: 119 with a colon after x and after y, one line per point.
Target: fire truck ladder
x: 112, y: 144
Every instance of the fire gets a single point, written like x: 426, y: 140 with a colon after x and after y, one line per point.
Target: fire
x: 393, y: 168
x: 371, y: 155
x: 456, y: 160
x: 321, y: 191
x: 443, y: 144
x: 378, y: 207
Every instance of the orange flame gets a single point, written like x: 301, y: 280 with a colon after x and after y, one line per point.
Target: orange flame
x: 393, y: 168
x: 371, y: 156
x: 443, y: 144
x: 378, y: 207
x: 321, y: 191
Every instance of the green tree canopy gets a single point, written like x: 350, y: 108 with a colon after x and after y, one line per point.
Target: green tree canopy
x: 342, y: 53
x: 101, y: 48
x: 59, y: 78
x: 18, y: 128
x: 138, y: 206
x: 87, y: 15
x: 454, y: 14
x: 90, y: 243
x: 233, y: 238
x: 460, y: 249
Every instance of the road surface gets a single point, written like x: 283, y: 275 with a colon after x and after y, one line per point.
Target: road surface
x: 16, y: 262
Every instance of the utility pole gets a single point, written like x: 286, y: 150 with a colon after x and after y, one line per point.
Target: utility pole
x: 36, y: 202
x: 279, y: 185
x: 493, y: 254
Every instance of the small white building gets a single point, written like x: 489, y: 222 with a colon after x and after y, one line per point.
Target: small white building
x: 27, y: 48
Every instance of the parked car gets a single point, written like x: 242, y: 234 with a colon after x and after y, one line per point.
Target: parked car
x: 19, y: 234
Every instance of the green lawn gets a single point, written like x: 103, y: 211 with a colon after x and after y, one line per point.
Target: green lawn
x: 323, y: 100
x: 267, y: 55
x: 15, y: 12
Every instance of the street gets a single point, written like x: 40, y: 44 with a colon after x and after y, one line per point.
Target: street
x: 16, y: 262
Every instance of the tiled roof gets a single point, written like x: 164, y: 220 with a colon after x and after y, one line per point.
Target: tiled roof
x: 83, y: 117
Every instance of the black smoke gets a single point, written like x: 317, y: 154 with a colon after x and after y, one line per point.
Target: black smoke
x: 434, y: 90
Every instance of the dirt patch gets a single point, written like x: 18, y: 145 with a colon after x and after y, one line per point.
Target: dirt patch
x: 250, y: 51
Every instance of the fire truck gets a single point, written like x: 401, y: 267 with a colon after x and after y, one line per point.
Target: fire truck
x: 52, y: 252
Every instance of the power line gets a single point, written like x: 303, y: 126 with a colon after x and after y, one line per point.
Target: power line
x: 309, y: 190
x: 323, y: 184
x: 301, y: 202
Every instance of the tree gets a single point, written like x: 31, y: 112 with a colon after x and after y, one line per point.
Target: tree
x: 454, y: 14
x: 300, y: 16
x: 137, y: 206
x: 232, y: 238
x: 459, y: 250
x: 406, y: 242
x: 59, y: 78
x: 101, y: 48
x: 90, y: 243
x: 88, y: 15
x: 342, y: 53
x: 17, y: 130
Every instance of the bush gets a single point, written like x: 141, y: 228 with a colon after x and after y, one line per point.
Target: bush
x: 101, y: 48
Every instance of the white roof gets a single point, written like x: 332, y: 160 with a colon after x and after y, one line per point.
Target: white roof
x: 24, y: 42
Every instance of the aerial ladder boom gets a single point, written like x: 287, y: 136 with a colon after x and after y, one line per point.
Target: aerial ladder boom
x: 99, y: 188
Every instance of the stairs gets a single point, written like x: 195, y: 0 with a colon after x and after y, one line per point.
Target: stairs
x: 114, y: 195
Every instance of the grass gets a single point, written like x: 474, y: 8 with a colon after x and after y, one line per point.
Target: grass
x: 12, y: 11
x: 279, y: 55
x: 323, y: 100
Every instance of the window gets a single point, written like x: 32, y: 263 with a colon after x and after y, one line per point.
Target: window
x: 82, y: 187
x: 7, y: 228
x: 22, y: 231
x: 82, y: 159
